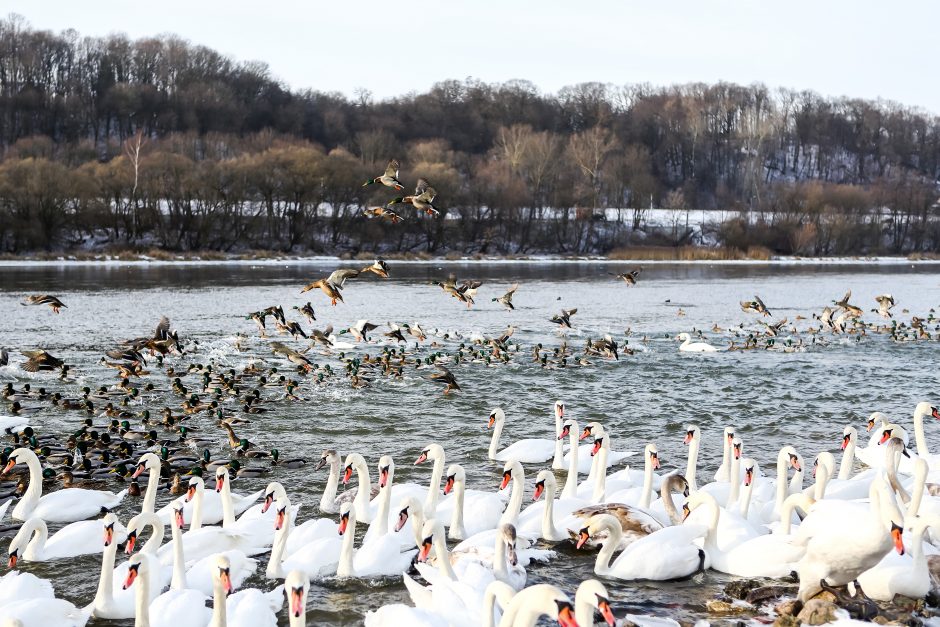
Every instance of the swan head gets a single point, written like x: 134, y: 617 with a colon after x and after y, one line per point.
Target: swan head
x: 455, y: 475
x: 108, y: 523
x: 926, y: 409
x: 891, y: 431
x: 17, y: 456
x: 750, y: 471
x: 826, y: 461
x: 592, y: 428
x: 696, y: 500
x: 736, y: 446
x: 544, y: 482
x: 137, y: 565
x: 296, y: 585
x: 684, y: 337
x: 511, y: 471
x: 497, y: 416
x: 273, y: 492
x: 592, y: 593
x: 347, y: 518
x: 280, y: 513
x: 196, y: 484
x: 221, y: 477
x: 559, y: 409
x: 137, y: 524
x: 148, y: 461
x: 595, y: 524
x: 675, y: 483
x: 328, y: 456
x: 789, y: 456
x: 178, y: 515
x: 507, y: 534
x: 433, y: 452
x: 729, y: 435
x: 408, y: 507
x: 652, y: 455
x: 386, y: 470
x: 566, y: 428
x: 221, y: 574
x: 849, y: 434
x: 692, y: 434
x: 876, y: 418
x: 431, y: 528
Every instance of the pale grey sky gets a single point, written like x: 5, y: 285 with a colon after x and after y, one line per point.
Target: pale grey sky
x: 864, y: 48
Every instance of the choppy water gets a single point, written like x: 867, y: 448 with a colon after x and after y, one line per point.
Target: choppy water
x: 771, y: 397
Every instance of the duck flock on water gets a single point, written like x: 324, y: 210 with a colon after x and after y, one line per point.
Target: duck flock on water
x: 862, y: 528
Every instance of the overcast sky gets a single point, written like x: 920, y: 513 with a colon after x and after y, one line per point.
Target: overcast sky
x: 864, y: 48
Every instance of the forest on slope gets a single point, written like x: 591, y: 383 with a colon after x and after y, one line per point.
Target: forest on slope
x: 160, y: 143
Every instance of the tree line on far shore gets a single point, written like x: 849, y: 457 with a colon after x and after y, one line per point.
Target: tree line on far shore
x: 109, y: 142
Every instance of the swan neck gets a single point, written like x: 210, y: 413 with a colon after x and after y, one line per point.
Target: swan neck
x: 430, y: 502
x: 328, y: 499
x: 647, y: 494
x: 600, y: 479
x: 443, y: 557
x: 218, y: 605
x: 919, y: 437
x: 380, y: 522
x: 615, y: 534
x: 548, y: 513
x: 917, y: 493
x: 456, y: 531
x: 669, y: 505
x: 570, y: 490
x: 746, y: 498
x: 848, y: 459
x: 735, y: 478
x: 228, y: 510
x: 142, y: 597
x: 274, y: 570
x: 104, y: 595
x: 511, y: 515
x: 782, y: 459
x: 39, y: 533
x: 196, y: 522
x: 179, y: 562
x: 494, y: 440
x: 364, y: 493
x: 558, y: 461
x: 345, y: 567
x: 33, y: 492
x: 692, y: 465
x: 150, y: 496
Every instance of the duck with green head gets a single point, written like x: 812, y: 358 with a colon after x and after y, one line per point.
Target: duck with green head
x: 389, y: 178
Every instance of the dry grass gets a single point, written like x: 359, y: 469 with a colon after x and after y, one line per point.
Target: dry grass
x: 688, y: 253
x: 923, y: 256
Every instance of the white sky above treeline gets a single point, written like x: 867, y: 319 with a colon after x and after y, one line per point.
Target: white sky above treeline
x: 860, y: 48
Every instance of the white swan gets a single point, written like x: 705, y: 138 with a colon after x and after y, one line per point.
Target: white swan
x: 435, y: 453
x: 381, y: 557
x: 199, y: 542
x: 900, y: 574
x: 111, y: 601
x: 539, y: 518
x: 501, y: 557
x: 246, y: 608
x: 150, y: 463
x: 693, y: 439
x: 33, y: 544
x: 763, y: 556
x: 329, y: 502
x: 592, y: 596
x: 296, y: 586
x: 688, y: 346
x: 598, y: 432
x: 316, y: 555
x: 19, y: 586
x: 670, y: 553
x: 486, y: 507
x: 175, y: 608
x: 62, y: 506
x: 525, y: 609
x: 724, y: 470
x: 839, y: 553
x: 212, y: 510
x: 355, y: 461
x: 42, y: 613
x: 526, y: 451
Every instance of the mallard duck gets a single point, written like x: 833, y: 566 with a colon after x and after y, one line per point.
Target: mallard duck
x: 296, y: 462
x: 307, y: 311
x: 851, y: 310
x: 627, y: 277
x: 506, y: 299
x: 291, y: 328
x: 378, y: 268
x: 383, y: 212
x: 564, y: 318
x: 45, y: 299
x: 422, y: 199
x: 390, y: 178
x: 247, y: 471
x: 38, y: 360
x: 331, y: 291
x: 291, y: 355
x: 447, y: 377
x: 755, y: 306
x: 885, y: 303
x: 394, y: 333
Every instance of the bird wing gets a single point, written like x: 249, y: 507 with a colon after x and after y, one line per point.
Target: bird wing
x: 421, y: 187
x: 392, y: 168
x: 163, y: 329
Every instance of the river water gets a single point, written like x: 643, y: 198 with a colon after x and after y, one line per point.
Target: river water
x: 771, y: 397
